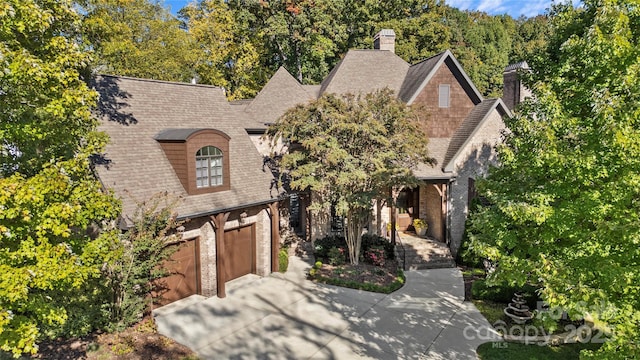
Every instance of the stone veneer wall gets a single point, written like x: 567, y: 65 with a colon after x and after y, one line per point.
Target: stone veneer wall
x: 472, y: 162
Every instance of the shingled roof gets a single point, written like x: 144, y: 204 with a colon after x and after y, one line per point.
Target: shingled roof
x: 134, y: 112
x: 281, y: 93
x: 416, y: 76
x: 470, y: 125
x: 364, y: 71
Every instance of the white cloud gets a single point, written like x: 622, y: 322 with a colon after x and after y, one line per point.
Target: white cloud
x: 493, y: 6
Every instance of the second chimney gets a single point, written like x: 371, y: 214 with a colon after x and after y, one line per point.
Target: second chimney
x: 385, y: 40
x: 514, y: 92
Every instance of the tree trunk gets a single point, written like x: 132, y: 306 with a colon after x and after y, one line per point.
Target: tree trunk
x: 355, y: 223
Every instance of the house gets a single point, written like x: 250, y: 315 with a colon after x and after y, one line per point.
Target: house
x: 189, y: 141
x: 463, y: 128
x: 184, y: 139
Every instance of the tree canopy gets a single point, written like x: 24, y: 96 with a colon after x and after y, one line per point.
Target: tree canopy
x: 51, y: 202
x: 565, y: 201
x: 239, y: 44
x: 349, y: 150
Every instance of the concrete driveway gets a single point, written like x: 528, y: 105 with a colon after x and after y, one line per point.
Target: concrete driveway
x: 288, y: 317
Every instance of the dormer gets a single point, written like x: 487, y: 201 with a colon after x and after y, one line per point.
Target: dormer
x: 199, y: 157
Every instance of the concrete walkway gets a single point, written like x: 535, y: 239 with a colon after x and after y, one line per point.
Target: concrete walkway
x: 289, y: 317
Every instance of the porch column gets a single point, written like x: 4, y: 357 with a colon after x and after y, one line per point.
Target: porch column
x: 444, y: 211
x: 275, y: 236
x: 221, y: 277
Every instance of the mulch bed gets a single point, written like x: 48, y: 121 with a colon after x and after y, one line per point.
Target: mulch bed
x: 139, y: 342
x: 363, y: 273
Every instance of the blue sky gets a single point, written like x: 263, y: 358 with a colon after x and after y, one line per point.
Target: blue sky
x: 515, y: 8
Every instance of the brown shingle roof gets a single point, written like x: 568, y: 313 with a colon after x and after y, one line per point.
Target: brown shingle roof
x: 416, y: 76
x: 437, y: 150
x: 281, y: 93
x: 364, y: 71
x: 134, y: 111
x: 475, y: 118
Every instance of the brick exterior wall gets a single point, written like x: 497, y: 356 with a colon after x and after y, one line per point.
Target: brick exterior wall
x: 473, y: 162
x: 442, y: 122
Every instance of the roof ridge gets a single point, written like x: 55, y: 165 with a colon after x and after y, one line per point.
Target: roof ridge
x: 161, y: 81
x: 430, y: 57
x: 282, y: 71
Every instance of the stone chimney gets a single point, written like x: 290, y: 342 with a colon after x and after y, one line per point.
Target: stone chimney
x: 385, y: 40
x: 514, y: 92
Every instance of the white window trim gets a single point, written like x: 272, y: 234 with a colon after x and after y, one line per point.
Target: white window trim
x: 447, y: 101
x: 213, y: 177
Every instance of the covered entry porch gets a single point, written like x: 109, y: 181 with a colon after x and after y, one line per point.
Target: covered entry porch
x: 428, y: 201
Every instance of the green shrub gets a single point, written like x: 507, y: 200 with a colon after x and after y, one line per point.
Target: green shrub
x: 322, y: 246
x: 375, y: 255
x: 397, y: 284
x: 466, y: 256
x: 283, y: 260
x: 503, y: 294
x: 337, y: 256
x: 371, y: 241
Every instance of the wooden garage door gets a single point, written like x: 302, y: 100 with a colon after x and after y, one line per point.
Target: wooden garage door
x: 240, y: 245
x: 185, y: 278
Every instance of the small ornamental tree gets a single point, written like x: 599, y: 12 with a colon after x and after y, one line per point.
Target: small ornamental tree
x: 131, y: 278
x: 349, y: 150
x: 565, y: 202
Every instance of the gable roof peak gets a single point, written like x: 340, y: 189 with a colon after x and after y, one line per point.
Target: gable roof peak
x: 421, y: 73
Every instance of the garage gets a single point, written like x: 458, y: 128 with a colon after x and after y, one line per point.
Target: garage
x: 184, y: 267
x: 240, y: 252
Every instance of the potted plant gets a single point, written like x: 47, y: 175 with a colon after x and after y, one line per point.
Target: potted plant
x: 420, y: 226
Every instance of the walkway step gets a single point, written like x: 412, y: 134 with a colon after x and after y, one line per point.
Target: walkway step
x: 417, y: 253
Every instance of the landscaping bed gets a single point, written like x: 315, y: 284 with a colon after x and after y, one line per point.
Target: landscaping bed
x: 377, y: 270
x: 383, y: 279
x: 139, y: 342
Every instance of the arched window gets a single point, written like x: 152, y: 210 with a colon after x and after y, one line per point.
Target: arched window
x: 208, y: 167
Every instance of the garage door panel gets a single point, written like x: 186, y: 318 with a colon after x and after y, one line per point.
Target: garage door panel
x: 183, y: 266
x: 240, y: 252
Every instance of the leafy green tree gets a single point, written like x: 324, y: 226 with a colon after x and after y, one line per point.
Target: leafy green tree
x: 45, y: 103
x: 138, y: 38
x: 229, y: 50
x: 530, y: 38
x: 565, y: 201
x: 349, y: 151
x: 53, y: 208
x: 302, y: 35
